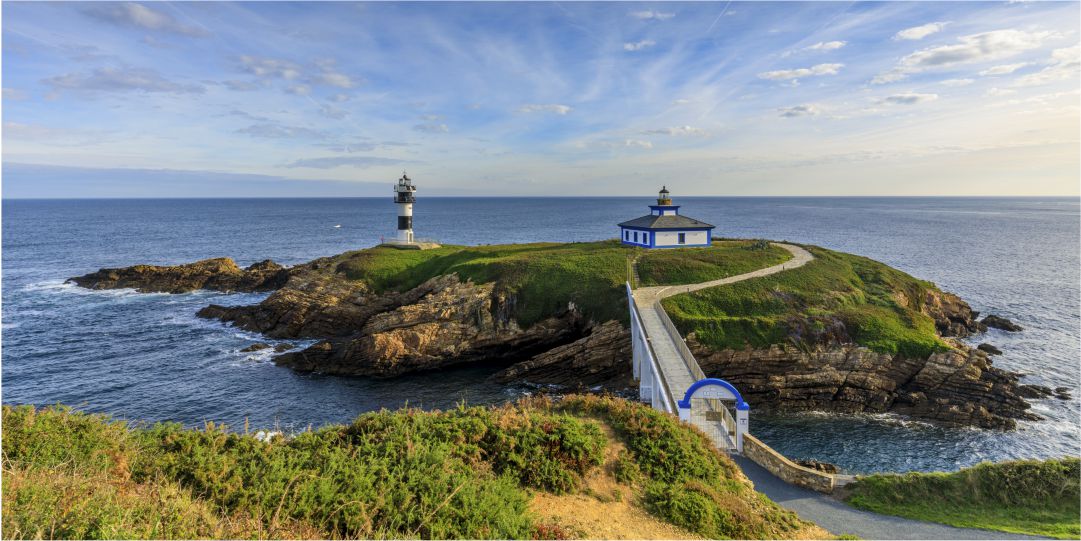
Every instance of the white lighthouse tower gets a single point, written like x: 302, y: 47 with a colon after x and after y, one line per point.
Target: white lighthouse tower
x: 405, y: 196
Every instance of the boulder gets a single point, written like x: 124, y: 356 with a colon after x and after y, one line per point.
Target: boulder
x: 256, y: 347
x: 999, y: 322
x: 989, y: 349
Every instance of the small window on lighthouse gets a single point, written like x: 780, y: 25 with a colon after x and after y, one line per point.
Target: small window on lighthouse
x: 683, y: 238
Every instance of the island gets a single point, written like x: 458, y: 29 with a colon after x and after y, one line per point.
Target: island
x: 842, y: 333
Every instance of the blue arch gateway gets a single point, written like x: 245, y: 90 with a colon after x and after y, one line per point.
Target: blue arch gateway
x: 718, y: 390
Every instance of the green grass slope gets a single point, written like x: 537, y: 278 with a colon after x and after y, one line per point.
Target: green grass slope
x: 544, y: 277
x: 835, y: 297
x: 1028, y: 496
x: 693, y: 265
x: 464, y: 473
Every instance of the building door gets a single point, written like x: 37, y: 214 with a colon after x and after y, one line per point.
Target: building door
x: 683, y: 238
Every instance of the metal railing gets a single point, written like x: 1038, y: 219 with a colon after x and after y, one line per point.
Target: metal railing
x: 681, y: 344
x: 660, y: 382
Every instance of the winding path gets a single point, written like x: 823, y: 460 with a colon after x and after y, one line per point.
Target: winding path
x: 835, y: 516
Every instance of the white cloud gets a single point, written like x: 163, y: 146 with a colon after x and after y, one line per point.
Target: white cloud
x: 545, y: 108
x: 1004, y: 69
x: 270, y: 67
x: 139, y: 16
x: 908, y: 98
x: 299, y: 90
x: 639, y: 45
x: 956, y: 82
x: 339, y: 98
x: 818, y: 69
x: 431, y: 128
x: 920, y: 32
x: 678, y: 131
x: 649, y: 14
x: 999, y: 92
x: 272, y: 130
x: 1064, y: 64
x: 120, y: 80
x: 825, y: 46
x: 807, y: 109
x: 681, y: 101
x: 339, y: 80
x: 982, y: 47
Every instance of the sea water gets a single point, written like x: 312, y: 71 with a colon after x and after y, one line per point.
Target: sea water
x: 146, y: 357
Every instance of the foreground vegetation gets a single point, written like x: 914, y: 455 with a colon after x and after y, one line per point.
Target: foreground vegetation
x: 1028, y: 496
x: 464, y: 473
x: 836, y: 297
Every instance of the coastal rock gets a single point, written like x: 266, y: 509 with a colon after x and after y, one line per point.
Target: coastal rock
x: 258, y: 346
x: 1001, y: 323
x: 953, y: 316
x: 220, y: 274
x: 444, y: 323
x: 956, y: 387
x: 989, y: 349
x: 1035, y: 391
x: 283, y: 347
x: 601, y: 358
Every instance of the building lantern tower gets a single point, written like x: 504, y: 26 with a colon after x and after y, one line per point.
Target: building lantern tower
x: 405, y: 196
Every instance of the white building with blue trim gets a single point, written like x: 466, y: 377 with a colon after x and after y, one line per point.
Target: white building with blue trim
x: 665, y: 227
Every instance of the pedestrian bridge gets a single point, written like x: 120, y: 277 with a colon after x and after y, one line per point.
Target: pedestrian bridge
x: 671, y: 381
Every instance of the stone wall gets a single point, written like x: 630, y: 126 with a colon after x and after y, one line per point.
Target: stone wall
x: 785, y: 469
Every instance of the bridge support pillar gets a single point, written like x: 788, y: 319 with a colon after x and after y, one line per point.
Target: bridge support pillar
x: 742, y: 427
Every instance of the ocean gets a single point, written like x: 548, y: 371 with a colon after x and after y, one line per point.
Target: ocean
x: 147, y: 358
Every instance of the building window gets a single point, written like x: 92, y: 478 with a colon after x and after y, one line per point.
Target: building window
x: 683, y: 238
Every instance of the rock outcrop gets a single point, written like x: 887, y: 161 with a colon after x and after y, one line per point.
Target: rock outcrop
x: 220, y: 274
x: 599, y: 359
x: 953, y: 316
x: 441, y: 323
x: 955, y: 387
x: 999, y: 322
x: 989, y: 349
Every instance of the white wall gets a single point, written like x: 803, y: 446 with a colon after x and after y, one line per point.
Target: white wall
x: 671, y: 238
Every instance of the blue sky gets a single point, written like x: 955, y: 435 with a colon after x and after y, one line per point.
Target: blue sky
x: 727, y: 98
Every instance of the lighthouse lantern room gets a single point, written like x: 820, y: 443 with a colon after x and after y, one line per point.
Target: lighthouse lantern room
x: 405, y: 196
x: 665, y: 227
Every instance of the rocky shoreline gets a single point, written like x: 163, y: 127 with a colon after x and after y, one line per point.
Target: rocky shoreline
x: 445, y: 322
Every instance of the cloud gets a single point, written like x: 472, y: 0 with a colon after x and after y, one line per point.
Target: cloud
x: 639, y: 45
x: 432, y: 118
x: 677, y: 131
x: 681, y: 101
x: 273, y: 130
x: 241, y: 86
x: 920, y: 32
x: 908, y: 98
x: 807, y: 109
x: 359, y: 162
x: 431, y: 128
x: 299, y: 90
x: 339, y: 98
x: 649, y: 14
x: 821, y: 46
x: 14, y: 94
x: 1004, y: 69
x: 982, y: 47
x: 956, y: 82
x: 332, y: 78
x: 545, y: 108
x: 270, y: 67
x: 1064, y: 65
x: 612, y: 145
x: 331, y: 111
x: 133, y: 15
x: 120, y: 80
x: 818, y: 69
x: 999, y: 92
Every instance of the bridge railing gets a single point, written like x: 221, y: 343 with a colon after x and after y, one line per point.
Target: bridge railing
x: 681, y: 344
x: 668, y: 402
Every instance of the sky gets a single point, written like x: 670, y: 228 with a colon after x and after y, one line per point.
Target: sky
x: 161, y: 99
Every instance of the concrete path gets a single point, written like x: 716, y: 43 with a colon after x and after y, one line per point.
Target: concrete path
x: 834, y: 516
x: 839, y: 519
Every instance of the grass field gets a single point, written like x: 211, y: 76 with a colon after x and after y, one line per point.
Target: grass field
x: 836, y: 297
x: 693, y: 265
x: 1029, y: 496
x: 464, y: 473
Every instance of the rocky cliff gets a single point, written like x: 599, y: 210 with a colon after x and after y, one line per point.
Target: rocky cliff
x: 445, y: 321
